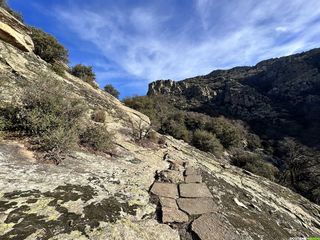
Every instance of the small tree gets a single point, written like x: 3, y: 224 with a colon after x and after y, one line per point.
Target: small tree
x: 17, y: 15
x: 112, y: 90
x: 47, y: 47
x: 84, y: 72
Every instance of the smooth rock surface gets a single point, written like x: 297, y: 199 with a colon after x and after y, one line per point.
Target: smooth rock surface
x: 214, y: 227
x: 169, y: 190
x: 193, y: 179
x: 168, y: 202
x: 173, y: 215
x: 191, y: 171
x: 195, y: 206
x: 194, y: 190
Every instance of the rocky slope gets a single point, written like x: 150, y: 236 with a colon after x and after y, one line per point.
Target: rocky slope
x: 92, y: 196
x: 277, y: 97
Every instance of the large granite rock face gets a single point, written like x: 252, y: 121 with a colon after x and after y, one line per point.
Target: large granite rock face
x: 100, y: 197
x: 275, y: 96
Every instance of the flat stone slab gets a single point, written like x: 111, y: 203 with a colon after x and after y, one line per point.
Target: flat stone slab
x: 193, y: 179
x: 214, y: 227
x: 194, y: 190
x: 169, y: 190
x: 196, y: 206
x: 168, y: 202
x: 172, y: 176
x: 191, y: 171
x: 173, y: 215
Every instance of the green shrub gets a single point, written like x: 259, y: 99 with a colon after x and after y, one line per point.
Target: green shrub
x: 98, y: 116
x: 47, y: 47
x: 58, y: 68
x: 206, y: 141
x: 256, y: 164
x: 85, y: 73
x: 177, y: 130
x: 97, y: 138
x: 111, y: 90
x: 228, y: 134
x: 253, y: 141
x: 17, y: 15
x: 48, y: 116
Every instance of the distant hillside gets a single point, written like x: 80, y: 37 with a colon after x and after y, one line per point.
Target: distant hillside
x: 277, y: 97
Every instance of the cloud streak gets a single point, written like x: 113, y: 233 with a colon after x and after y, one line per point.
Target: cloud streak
x: 162, y: 40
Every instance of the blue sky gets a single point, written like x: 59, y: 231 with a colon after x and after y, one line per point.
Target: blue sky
x: 133, y: 42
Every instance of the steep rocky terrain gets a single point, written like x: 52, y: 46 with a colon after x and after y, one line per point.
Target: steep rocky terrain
x: 99, y: 196
x: 277, y: 97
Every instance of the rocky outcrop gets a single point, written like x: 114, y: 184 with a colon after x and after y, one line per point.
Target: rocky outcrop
x: 14, y: 32
x: 91, y: 196
x: 277, y: 96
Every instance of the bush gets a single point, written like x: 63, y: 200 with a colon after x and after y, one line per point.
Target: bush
x: 47, y: 47
x: 98, y: 116
x: 85, y: 73
x: 17, y: 15
x: 228, y: 134
x: 253, y: 141
x: 48, y: 116
x: 111, y: 90
x: 58, y: 68
x: 255, y: 164
x: 96, y: 138
x: 177, y: 130
x: 206, y: 141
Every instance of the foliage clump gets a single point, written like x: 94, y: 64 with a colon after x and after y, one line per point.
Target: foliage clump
x: 48, y: 116
x: 206, y: 141
x: 256, y: 164
x: 97, y: 138
x: 48, y: 47
x: 85, y: 73
x: 98, y: 116
x: 112, y: 90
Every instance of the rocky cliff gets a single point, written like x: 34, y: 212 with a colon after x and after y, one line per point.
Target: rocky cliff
x: 170, y: 191
x: 277, y: 97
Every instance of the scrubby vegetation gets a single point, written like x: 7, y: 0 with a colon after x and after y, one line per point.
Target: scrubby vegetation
x: 85, y: 73
x: 206, y: 141
x: 112, y: 90
x: 256, y: 164
x: 98, y: 116
x: 48, y: 47
x: 53, y: 120
x: 17, y: 15
x: 97, y: 138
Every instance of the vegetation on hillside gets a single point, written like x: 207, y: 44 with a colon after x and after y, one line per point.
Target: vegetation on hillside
x: 112, y: 90
x: 17, y: 15
x: 52, y: 120
x: 85, y: 73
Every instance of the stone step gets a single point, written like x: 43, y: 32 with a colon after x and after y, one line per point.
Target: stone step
x: 168, y: 202
x: 191, y: 171
x: 173, y: 215
x: 194, y: 190
x: 196, y: 206
x: 193, y: 179
x: 161, y: 189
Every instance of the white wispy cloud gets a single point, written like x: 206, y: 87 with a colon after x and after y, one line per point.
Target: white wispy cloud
x: 149, y: 43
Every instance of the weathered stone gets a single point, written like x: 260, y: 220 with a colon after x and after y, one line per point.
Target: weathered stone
x: 193, y: 179
x: 171, y: 176
x: 169, y: 190
x: 13, y: 32
x: 214, y: 227
x: 168, y: 202
x: 194, y: 190
x: 195, y: 206
x: 191, y: 171
x: 171, y: 215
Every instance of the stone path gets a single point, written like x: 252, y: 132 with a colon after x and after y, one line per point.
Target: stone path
x: 181, y: 195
